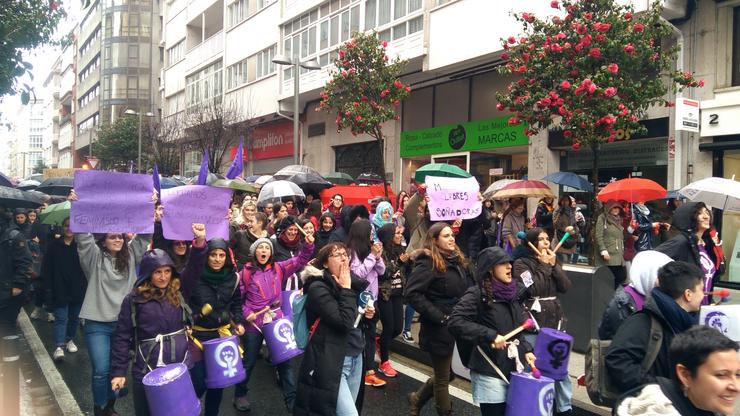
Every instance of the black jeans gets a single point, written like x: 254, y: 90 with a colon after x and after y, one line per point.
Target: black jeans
x: 391, y: 316
x: 141, y: 406
x: 368, y: 357
x: 213, y: 396
x: 9, y: 314
x: 620, y: 275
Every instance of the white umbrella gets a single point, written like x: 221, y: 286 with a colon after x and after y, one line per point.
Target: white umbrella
x: 718, y: 193
x: 263, y: 179
x: 276, y: 190
x: 496, y: 186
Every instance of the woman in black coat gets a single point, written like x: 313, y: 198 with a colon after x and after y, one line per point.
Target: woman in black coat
x: 331, y: 370
x: 439, y: 278
x: 478, y: 321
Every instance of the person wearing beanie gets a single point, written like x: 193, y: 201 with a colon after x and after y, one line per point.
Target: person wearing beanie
x: 544, y: 279
x: 481, y: 317
x: 260, y: 285
x: 211, y: 278
x: 154, y: 308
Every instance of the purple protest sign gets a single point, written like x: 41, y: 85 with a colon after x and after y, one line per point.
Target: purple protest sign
x: 112, y: 202
x: 453, y: 198
x: 190, y: 204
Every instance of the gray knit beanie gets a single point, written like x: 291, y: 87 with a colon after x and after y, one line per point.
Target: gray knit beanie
x: 253, y: 247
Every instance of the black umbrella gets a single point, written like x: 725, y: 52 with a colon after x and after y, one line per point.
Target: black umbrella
x: 170, y: 182
x: 368, y: 178
x: 6, y: 181
x: 57, y: 186
x: 307, y: 178
x: 15, y: 198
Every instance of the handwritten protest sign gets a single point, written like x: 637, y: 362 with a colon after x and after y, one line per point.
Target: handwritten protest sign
x: 201, y: 204
x: 453, y: 198
x: 112, y: 202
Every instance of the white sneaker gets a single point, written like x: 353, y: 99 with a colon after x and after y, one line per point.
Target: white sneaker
x: 71, y: 347
x: 59, y: 354
x: 50, y: 317
x: 37, y: 313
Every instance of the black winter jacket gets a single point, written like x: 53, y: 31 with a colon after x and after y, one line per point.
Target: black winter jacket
x: 543, y: 281
x: 621, y: 307
x: 629, y: 346
x: 15, y: 262
x: 476, y: 320
x: 64, y: 280
x: 434, y: 295
x: 321, y: 367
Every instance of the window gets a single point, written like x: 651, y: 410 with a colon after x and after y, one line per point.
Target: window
x: 736, y: 46
x: 85, y: 48
x: 382, y: 12
x: 264, y: 65
x: 90, y: 68
x: 133, y: 54
x: 89, y: 96
x: 240, y: 10
x: 176, y: 53
x: 204, y: 85
x: 236, y: 74
x: 89, y: 123
x: 35, y: 141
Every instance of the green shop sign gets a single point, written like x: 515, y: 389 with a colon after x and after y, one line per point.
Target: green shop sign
x: 474, y: 135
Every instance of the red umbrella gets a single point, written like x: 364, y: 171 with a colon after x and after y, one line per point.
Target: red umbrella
x: 632, y: 190
x: 524, y: 189
x: 357, y: 194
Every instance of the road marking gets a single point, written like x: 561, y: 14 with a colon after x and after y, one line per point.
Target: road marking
x: 63, y: 396
x: 419, y: 376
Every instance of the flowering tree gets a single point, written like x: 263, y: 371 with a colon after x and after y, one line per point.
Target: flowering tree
x: 365, y: 89
x: 590, y: 73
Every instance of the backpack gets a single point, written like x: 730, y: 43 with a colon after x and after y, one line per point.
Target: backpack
x: 301, y: 331
x: 599, y: 386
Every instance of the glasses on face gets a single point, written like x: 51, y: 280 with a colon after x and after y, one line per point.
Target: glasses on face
x: 115, y: 237
x: 340, y: 255
x: 180, y: 243
x: 337, y: 199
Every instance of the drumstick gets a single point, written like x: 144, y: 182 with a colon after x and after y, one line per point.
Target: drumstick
x: 522, y: 236
x: 263, y: 310
x: 302, y: 231
x: 526, y: 325
x: 535, y: 372
x: 569, y: 230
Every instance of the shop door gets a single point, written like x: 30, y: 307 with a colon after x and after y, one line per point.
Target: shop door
x: 354, y: 159
x: 459, y: 160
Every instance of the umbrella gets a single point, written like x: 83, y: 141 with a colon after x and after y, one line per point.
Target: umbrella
x: 15, y: 198
x: 236, y: 184
x: 439, y: 169
x: 28, y: 184
x: 339, y: 178
x: 170, y: 182
x: 251, y: 178
x: 263, y: 179
x: 210, y: 178
x: 716, y: 192
x: 305, y: 177
x: 632, y: 190
x: 55, y: 214
x: 57, y: 186
x: 524, y: 189
x: 358, y: 194
x: 277, y: 190
x: 369, y: 178
x: 38, y: 177
x: 5, y: 180
x: 569, y: 179
x: 494, y: 187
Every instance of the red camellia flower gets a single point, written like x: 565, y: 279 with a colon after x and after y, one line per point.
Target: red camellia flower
x: 500, y: 107
x: 588, y: 15
x: 613, y: 68
x: 511, y: 40
x: 610, y: 92
x: 521, y: 69
x: 556, y: 48
x: 600, y: 38
x: 595, y: 53
x: 567, y: 134
x: 628, y: 16
x: 528, y: 17
x: 384, y: 93
x: 408, y: 89
x: 356, y: 104
x: 505, y: 56
x: 397, y: 84
x: 592, y: 88
x: 565, y: 85
x: 576, y: 146
x: 602, y: 27
x: 560, y: 35
x: 554, y: 4
x: 556, y: 20
x: 514, y: 121
x: 573, y: 73
x: 629, y: 48
x: 701, y: 83
x: 385, y: 44
x: 638, y: 27
x: 358, y: 118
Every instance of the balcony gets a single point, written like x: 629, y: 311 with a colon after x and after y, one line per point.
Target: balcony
x: 205, y: 52
x: 83, y: 139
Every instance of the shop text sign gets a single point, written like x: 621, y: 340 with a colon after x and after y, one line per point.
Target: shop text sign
x: 453, y: 198
x: 687, y: 115
x: 473, y: 135
x: 272, y: 141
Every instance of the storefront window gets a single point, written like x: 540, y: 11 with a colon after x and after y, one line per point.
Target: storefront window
x: 731, y: 220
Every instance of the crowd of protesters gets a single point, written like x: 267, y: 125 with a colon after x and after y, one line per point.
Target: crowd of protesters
x: 469, y: 281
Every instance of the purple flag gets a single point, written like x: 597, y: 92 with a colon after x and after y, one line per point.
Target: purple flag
x: 112, y: 202
x: 155, y: 180
x: 203, y: 175
x: 201, y: 204
x: 237, y: 166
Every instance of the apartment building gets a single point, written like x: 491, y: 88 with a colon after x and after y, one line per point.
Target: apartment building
x: 28, y: 137
x: 117, y: 66
x: 60, y: 83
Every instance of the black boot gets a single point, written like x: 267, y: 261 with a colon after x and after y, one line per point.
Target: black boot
x: 419, y: 398
x: 98, y: 411
x: 109, y: 410
x: 441, y: 412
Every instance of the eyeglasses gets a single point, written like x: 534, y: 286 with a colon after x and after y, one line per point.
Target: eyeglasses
x: 340, y: 255
x: 115, y: 237
x: 179, y: 243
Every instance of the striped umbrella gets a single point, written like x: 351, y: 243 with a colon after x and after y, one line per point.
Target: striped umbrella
x: 524, y: 189
x: 496, y: 186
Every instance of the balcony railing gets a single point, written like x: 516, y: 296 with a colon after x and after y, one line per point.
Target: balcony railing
x: 205, y: 51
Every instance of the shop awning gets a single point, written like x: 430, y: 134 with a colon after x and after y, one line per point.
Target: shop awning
x: 723, y: 145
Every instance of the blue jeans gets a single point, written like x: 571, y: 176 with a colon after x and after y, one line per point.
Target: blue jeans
x: 408, y: 318
x: 66, y: 319
x: 563, y: 388
x: 252, y: 344
x: 98, y: 337
x: 349, y: 386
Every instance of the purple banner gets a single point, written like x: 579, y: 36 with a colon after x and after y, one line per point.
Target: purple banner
x: 190, y: 204
x: 112, y: 202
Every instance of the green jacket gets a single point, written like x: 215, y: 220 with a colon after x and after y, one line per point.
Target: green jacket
x: 610, y: 238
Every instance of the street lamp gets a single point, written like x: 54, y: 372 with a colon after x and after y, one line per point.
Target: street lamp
x: 311, y: 65
x: 131, y: 112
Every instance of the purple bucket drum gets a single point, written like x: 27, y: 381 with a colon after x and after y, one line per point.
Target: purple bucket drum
x: 529, y: 396
x: 169, y: 391
x: 223, y: 362
x: 552, y: 350
x: 280, y: 341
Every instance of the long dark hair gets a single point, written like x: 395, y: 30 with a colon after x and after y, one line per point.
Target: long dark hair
x: 358, y: 238
x: 122, y: 257
x: 314, y: 209
x: 439, y: 264
x: 385, y: 235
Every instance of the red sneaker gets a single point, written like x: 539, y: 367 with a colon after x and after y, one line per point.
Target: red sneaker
x: 386, y: 369
x: 372, y: 380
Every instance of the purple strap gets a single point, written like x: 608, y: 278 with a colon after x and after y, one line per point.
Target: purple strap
x: 638, y: 298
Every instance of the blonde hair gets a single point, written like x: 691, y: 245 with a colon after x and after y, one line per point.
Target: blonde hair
x: 247, y: 203
x: 148, y: 291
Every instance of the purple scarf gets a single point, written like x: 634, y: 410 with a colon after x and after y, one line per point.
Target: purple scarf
x: 504, y: 291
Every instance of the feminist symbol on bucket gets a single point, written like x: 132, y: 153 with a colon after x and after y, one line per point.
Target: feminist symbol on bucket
x: 558, y: 352
x: 546, y: 400
x: 718, y: 320
x: 226, y: 356
x: 283, y: 331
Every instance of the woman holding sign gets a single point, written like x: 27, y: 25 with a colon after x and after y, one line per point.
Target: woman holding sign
x: 211, y: 276
x: 544, y: 278
x: 439, y: 278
